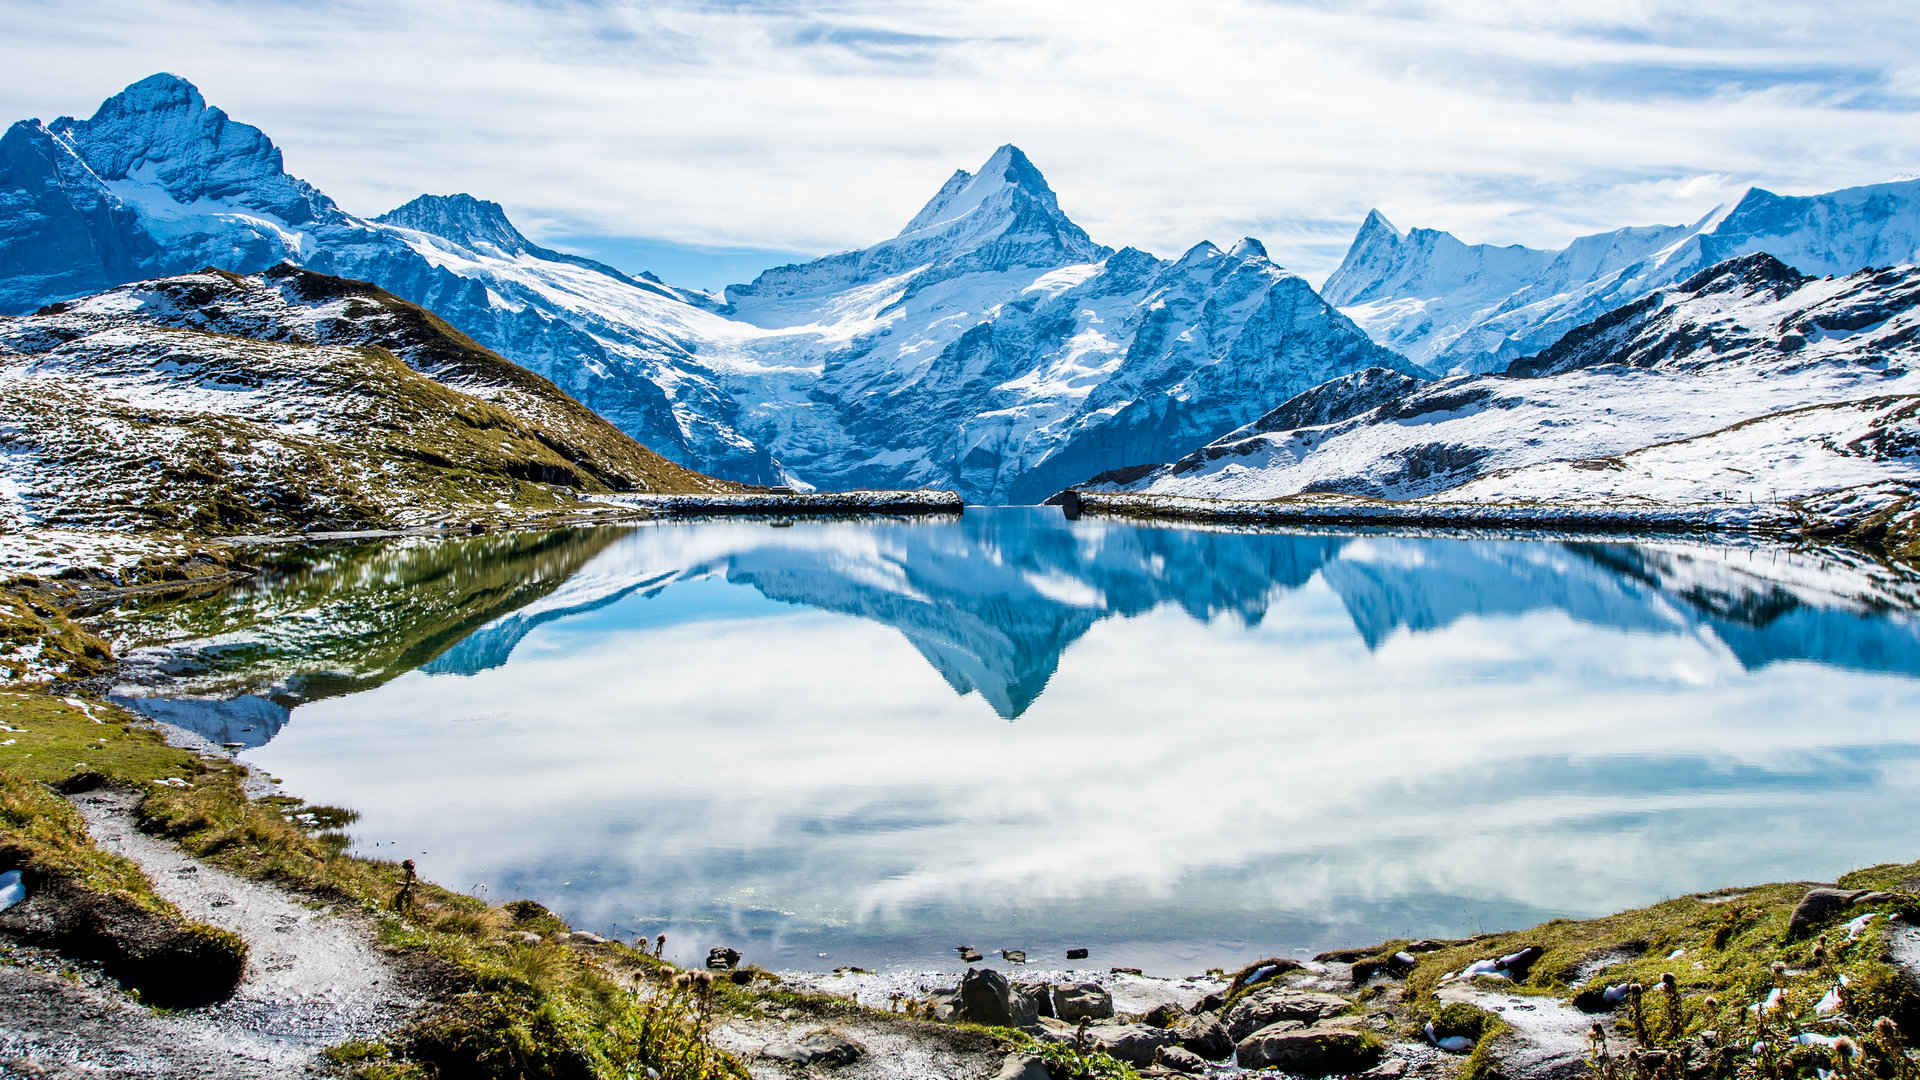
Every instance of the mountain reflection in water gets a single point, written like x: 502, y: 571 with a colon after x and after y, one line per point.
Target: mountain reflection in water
x: 1226, y: 743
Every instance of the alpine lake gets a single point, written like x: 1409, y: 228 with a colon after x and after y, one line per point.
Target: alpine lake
x: 864, y: 742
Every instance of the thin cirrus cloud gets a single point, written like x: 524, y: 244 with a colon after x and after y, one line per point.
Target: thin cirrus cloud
x: 743, y: 130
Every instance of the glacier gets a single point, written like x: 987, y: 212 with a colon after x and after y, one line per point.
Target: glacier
x: 991, y: 346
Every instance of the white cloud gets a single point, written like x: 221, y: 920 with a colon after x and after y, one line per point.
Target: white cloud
x: 822, y: 126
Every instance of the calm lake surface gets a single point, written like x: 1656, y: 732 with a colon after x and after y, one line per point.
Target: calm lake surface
x: 867, y: 742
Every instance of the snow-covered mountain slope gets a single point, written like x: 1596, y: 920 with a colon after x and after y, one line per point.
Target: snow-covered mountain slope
x: 216, y: 404
x: 1463, y: 308
x: 991, y: 346
x: 1749, y: 381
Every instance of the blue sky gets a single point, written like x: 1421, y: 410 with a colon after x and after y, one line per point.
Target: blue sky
x: 703, y: 139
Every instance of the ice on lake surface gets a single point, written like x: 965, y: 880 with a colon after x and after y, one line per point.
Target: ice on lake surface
x: 831, y: 743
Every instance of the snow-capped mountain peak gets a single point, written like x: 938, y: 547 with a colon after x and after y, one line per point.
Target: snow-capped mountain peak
x: 462, y: 219
x: 1249, y: 248
x: 161, y: 134
x: 997, y: 219
x: 991, y: 347
x: 965, y: 192
x: 1454, y: 306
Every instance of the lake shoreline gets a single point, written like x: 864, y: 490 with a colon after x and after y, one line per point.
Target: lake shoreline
x: 1832, y: 518
x: 1359, y: 1011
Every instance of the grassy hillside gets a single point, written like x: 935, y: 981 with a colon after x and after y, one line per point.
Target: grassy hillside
x: 212, y: 404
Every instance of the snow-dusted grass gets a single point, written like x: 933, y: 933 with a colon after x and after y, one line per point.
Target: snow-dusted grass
x: 210, y: 404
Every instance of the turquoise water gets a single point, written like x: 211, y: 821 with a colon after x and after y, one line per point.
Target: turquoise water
x: 865, y: 743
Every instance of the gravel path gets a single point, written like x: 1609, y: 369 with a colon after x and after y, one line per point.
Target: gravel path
x: 313, y: 979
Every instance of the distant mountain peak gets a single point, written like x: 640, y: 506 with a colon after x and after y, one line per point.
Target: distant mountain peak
x: 1376, y: 223
x: 460, y: 218
x: 161, y: 132
x: 1008, y: 176
x: 161, y: 90
x: 1249, y: 248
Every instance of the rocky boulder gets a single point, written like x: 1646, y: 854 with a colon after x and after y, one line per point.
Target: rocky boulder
x: 1179, y: 1059
x: 987, y: 998
x: 1082, y: 1001
x: 1166, y: 1014
x: 1205, y: 1035
x: 1040, y: 994
x: 1820, y: 906
x: 1316, y: 1050
x: 1270, y: 1005
x: 1024, y: 1067
x: 1135, y: 1044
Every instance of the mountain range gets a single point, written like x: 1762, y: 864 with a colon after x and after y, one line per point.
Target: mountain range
x: 991, y: 346
x: 1467, y: 308
x: 1749, y: 382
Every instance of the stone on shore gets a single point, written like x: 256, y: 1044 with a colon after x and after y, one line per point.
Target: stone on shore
x: 1819, y: 906
x: 987, y: 998
x: 1024, y: 1067
x: 1271, y: 1004
x: 1082, y: 1001
x: 1317, y: 1050
x: 1205, y: 1035
x: 1179, y: 1059
x: 1134, y: 1044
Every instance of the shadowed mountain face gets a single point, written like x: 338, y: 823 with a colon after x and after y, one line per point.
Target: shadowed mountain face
x: 993, y: 600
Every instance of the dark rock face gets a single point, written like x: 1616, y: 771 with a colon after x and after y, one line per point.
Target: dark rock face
x: 1270, y: 1005
x: 1319, y: 1050
x: 722, y: 958
x: 1040, y: 995
x: 987, y: 998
